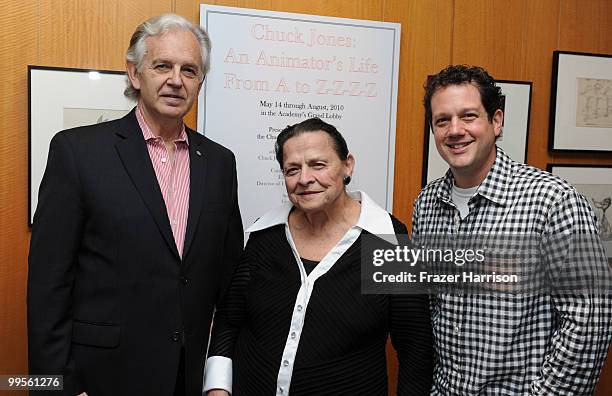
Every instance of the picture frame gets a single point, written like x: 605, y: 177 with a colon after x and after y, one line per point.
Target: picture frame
x: 580, y: 103
x: 515, y: 135
x: 61, y: 98
x: 595, y: 183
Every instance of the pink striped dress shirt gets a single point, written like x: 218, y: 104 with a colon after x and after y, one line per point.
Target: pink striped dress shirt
x: 172, y: 176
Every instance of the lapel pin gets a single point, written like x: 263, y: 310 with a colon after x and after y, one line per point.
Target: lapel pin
x: 198, y: 153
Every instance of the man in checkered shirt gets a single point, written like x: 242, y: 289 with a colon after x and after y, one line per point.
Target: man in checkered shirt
x: 504, y: 344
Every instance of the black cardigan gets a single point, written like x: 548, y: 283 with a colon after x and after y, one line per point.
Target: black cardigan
x: 342, y: 346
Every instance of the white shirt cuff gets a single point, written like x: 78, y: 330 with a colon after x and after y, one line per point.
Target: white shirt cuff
x: 218, y: 374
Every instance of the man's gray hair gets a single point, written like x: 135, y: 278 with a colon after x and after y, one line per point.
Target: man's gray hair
x: 157, y: 26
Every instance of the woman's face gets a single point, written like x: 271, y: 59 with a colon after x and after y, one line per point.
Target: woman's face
x: 313, y: 171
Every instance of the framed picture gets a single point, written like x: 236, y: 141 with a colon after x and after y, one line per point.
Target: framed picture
x: 60, y: 98
x: 515, y: 131
x: 595, y: 183
x: 580, y: 102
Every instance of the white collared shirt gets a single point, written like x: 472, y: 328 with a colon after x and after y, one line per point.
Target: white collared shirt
x: 372, y: 218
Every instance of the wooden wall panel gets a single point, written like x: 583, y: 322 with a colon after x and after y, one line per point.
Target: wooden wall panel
x: 584, y: 25
x: 371, y: 9
x: 425, y: 48
x: 604, y: 388
x: 18, y: 47
x: 541, y: 26
x: 490, y: 33
x: 92, y: 33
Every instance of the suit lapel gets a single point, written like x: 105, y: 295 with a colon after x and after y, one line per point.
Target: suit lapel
x: 134, y: 155
x: 197, y: 180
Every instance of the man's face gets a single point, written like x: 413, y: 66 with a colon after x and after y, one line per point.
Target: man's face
x: 464, y: 136
x: 169, y: 78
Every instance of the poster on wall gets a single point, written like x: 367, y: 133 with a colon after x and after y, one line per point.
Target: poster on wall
x: 273, y: 69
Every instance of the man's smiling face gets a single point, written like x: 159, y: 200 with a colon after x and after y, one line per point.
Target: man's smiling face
x: 464, y: 135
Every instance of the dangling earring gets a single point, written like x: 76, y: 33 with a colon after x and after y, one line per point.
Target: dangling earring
x: 346, y: 180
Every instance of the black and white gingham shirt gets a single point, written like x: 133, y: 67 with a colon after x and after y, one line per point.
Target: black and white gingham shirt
x: 495, y: 344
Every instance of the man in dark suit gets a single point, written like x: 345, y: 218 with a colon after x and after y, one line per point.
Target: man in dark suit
x: 136, y: 233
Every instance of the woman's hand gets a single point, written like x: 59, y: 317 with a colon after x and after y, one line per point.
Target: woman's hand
x: 217, y: 392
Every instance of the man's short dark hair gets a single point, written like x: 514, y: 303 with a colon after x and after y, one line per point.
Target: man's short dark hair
x: 311, y: 125
x: 490, y: 94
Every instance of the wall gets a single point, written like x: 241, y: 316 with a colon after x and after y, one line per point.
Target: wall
x: 514, y: 40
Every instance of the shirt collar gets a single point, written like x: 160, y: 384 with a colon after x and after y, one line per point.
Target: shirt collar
x: 372, y: 217
x: 493, y: 187
x: 445, y: 188
x: 148, y: 134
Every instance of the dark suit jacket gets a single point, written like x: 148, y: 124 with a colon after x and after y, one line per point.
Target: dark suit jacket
x: 110, y: 302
